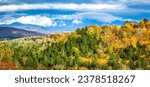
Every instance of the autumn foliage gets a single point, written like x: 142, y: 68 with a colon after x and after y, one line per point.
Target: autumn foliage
x: 125, y: 47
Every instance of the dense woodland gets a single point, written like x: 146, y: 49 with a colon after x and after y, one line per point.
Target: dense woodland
x: 113, y: 47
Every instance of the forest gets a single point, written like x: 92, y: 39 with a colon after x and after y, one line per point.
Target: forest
x: 112, y: 47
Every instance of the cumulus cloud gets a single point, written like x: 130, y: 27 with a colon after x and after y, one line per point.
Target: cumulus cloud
x: 34, y: 20
x: 71, y: 6
x: 75, y: 21
x: 61, y: 20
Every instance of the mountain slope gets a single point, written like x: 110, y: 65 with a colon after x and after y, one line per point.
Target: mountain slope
x: 9, y: 32
x: 125, y: 47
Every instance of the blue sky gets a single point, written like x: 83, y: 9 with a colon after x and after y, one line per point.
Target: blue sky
x: 67, y: 15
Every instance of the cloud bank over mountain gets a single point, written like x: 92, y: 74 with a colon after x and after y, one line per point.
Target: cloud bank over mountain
x: 67, y: 15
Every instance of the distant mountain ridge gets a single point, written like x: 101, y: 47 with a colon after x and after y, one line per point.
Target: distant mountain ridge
x: 9, y: 32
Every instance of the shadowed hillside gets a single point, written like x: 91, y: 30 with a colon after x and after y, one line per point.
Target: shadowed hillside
x: 8, y: 32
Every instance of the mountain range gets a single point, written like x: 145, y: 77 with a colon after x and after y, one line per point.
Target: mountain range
x: 9, y: 32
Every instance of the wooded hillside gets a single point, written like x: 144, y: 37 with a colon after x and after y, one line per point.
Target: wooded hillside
x: 94, y: 47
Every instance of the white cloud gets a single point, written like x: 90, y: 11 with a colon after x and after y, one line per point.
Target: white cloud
x: 7, y: 1
x: 34, y: 20
x: 62, y: 24
x: 102, y: 17
x: 134, y: 1
x: 76, y: 21
x: 131, y: 2
x: 61, y: 20
x: 71, y: 6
